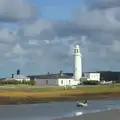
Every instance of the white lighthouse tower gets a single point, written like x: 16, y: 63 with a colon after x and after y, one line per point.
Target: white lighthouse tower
x: 77, y: 65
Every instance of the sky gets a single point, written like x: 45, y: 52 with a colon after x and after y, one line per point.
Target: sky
x: 38, y: 36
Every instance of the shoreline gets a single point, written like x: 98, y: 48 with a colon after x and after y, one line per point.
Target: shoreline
x: 16, y: 100
x: 103, y: 115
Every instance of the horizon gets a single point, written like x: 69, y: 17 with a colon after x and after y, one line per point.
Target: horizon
x: 58, y: 73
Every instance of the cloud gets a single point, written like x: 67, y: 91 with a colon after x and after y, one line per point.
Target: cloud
x: 39, y: 29
x: 7, y: 36
x: 33, y: 42
x: 16, y: 50
x: 43, y: 45
x: 16, y: 10
x: 103, y: 4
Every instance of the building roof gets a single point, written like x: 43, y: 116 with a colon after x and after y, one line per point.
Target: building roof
x: 17, y: 77
x: 50, y: 76
x: 20, y: 77
x: 92, y: 72
x: 2, y: 79
x: 69, y: 74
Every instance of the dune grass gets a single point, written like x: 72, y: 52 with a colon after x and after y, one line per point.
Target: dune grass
x: 28, y: 88
x: 39, y: 94
x: 36, y: 91
x: 53, y: 91
x: 100, y: 88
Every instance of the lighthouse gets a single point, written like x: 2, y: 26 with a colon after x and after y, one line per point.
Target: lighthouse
x: 77, y: 64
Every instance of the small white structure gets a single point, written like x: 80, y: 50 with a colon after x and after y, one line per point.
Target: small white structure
x: 92, y: 76
x: 77, y: 64
x: 69, y: 82
x: 106, y: 82
x: 19, y: 78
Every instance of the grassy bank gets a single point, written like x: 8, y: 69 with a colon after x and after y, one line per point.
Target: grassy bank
x: 26, y: 90
x: 13, y: 94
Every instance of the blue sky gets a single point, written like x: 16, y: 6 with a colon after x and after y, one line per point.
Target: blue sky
x: 57, y: 9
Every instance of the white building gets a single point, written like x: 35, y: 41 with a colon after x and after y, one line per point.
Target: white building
x: 55, y: 79
x: 92, y: 76
x: 19, y: 78
x: 106, y: 82
x: 77, y: 65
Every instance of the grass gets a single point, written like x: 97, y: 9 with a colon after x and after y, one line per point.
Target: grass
x: 28, y: 88
x: 58, y: 88
x: 39, y: 94
x: 100, y: 88
x: 15, y: 94
x: 35, y: 91
x: 53, y: 91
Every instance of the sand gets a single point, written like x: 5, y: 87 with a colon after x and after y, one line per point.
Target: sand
x: 104, y: 115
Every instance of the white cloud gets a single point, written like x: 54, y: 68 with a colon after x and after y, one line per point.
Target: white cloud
x: 33, y: 42
x: 36, y: 28
x: 18, y: 50
x: 116, y: 46
x: 16, y: 10
x: 7, y: 35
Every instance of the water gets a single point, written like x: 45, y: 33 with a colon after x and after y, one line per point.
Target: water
x: 49, y: 111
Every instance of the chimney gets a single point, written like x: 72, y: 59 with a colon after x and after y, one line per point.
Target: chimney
x: 48, y: 73
x: 61, y: 73
x: 18, y: 72
x: 12, y: 75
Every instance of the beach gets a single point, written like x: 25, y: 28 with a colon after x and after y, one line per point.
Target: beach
x: 104, y: 115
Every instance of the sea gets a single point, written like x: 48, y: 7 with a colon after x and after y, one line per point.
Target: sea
x: 54, y: 110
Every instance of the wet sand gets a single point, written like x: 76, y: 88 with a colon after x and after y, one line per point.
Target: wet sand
x: 104, y: 115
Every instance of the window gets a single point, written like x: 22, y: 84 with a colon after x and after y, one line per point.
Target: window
x: 61, y: 81
x: 76, y: 51
x: 69, y: 81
